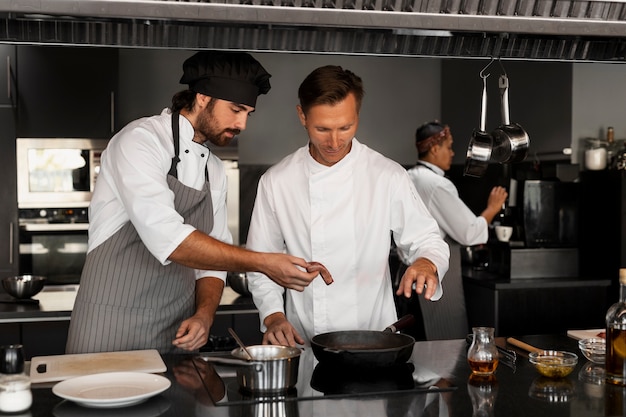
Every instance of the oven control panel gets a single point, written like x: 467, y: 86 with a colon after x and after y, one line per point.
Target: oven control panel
x: 53, y: 215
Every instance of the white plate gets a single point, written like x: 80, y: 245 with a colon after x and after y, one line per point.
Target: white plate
x: 111, y: 389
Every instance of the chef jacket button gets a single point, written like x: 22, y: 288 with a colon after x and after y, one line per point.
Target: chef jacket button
x: 186, y: 150
x: 202, y: 155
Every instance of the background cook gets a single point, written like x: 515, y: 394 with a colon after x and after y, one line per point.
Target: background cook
x: 158, y: 235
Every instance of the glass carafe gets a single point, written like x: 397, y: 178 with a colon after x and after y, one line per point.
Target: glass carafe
x: 482, y: 355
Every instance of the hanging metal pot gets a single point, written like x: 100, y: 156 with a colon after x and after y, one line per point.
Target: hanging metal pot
x: 479, y: 148
x: 510, y: 140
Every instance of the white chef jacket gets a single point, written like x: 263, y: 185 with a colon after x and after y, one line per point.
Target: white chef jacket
x: 442, y: 199
x: 132, y: 186
x: 342, y: 216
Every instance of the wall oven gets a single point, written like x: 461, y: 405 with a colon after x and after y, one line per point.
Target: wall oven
x: 53, y: 243
x: 55, y: 180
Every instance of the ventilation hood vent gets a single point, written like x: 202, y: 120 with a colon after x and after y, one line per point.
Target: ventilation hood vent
x: 563, y: 30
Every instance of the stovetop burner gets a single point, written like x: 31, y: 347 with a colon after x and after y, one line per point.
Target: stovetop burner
x: 319, y: 381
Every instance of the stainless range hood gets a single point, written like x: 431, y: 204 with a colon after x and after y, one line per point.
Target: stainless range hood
x: 562, y: 30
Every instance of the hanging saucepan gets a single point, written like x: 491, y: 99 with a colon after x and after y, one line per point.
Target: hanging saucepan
x: 479, y: 148
x: 365, y: 348
x: 510, y: 140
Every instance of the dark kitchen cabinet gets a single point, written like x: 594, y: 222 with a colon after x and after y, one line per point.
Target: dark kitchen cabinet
x: 9, y: 334
x: 535, y: 306
x: 8, y: 194
x: 38, y: 338
x: 66, y: 91
x: 7, y: 75
x: 44, y: 338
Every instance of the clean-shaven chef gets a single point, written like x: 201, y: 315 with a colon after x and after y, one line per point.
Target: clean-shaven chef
x: 339, y: 202
x: 158, y: 236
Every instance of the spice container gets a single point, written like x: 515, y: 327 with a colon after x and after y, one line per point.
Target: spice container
x: 595, y: 154
x: 15, y: 394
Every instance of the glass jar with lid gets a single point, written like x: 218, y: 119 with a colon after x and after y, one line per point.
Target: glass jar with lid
x: 15, y: 393
x: 595, y: 154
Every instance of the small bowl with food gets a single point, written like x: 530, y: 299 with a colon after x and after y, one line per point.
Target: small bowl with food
x: 593, y: 348
x: 553, y: 363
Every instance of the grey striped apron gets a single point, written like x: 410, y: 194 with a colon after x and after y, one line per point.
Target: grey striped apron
x: 127, y: 299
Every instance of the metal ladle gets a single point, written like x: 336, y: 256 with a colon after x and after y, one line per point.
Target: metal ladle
x: 240, y: 343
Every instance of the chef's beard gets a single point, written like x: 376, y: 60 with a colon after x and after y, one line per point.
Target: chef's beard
x: 208, y: 127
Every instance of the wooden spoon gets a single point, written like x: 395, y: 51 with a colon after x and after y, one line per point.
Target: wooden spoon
x: 522, y: 345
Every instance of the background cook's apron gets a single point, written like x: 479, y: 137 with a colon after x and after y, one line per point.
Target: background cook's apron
x: 127, y: 299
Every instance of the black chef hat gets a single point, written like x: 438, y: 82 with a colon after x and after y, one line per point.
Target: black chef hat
x: 231, y: 76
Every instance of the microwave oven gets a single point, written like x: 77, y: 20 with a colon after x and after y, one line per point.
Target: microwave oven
x: 57, y: 172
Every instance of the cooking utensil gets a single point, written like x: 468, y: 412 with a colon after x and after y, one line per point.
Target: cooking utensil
x: 510, y: 140
x: 365, y: 348
x: 11, y: 359
x: 240, y: 343
x: 238, y: 281
x: 273, y: 370
x: 522, y: 345
x: 479, y: 148
x: 23, y: 286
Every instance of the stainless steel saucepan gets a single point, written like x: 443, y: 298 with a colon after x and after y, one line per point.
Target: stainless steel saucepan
x: 479, y: 148
x: 510, y: 140
x: 273, y: 369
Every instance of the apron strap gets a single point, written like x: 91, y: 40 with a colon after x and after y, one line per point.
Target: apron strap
x: 175, y: 133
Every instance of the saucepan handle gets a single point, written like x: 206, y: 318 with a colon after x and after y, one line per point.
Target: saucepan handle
x: 503, y: 83
x: 258, y: 366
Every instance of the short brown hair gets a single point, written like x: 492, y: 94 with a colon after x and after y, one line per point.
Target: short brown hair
x: 329, y: 85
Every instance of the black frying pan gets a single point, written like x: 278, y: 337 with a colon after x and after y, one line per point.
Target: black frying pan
x: 365, y: 348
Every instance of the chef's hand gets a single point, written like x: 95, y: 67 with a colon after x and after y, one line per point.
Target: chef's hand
x: 192, y: 334
x: 280, y: 331
x: 283, y: 270
x: 495, y: 201
x: 421, y: 275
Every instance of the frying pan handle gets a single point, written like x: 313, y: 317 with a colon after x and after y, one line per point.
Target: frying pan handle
x: 403, y: 323
x: 503, y: 83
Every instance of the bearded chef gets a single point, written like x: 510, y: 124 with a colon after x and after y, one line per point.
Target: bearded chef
x: 158, y: 236
x: 340, y: 202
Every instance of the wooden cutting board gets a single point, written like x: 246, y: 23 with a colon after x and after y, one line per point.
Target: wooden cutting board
x: 60, y: 367
x: 584, y: 334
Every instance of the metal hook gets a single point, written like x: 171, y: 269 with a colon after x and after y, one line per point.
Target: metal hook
x: 482, y: 72
x: 502, y: 67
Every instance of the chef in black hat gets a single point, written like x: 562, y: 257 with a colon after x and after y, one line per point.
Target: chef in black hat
x: 458, y: 224
x: 159, y: 244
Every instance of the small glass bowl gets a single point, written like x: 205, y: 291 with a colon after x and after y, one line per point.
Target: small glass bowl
x: 553, y: 363
x: 593, y: 348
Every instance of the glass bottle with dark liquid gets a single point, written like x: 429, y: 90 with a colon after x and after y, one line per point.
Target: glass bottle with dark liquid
x: 616, y: 337
x: 482, y: 355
